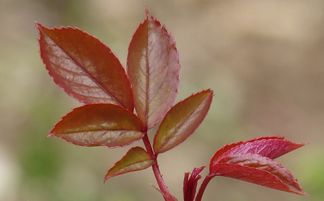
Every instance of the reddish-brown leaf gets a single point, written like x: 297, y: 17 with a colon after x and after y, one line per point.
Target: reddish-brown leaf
x: 153, y: 69
x: 99, y: 125
x: 135, y: 159
x: 84, y: 67
x: 271, y: 147
x: 256, y: 169
x: 182, y: 120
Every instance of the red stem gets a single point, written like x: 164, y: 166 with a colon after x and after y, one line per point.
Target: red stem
x: 156, y: 170
x: 203, y: 187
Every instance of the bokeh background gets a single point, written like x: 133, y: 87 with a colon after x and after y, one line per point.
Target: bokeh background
x: 264, y: 60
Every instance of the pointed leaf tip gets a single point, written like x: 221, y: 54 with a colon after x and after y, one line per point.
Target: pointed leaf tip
x: 147, y: 13
x: 182, y: 120
x: 135, y: 159
x: 153, y: 69
x: 84, y: 67
x: 99, y: 125
x: 38, y: 25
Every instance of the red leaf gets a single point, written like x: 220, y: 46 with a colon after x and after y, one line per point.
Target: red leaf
x: 153, y: 69
x: 190, y: 184
x: 135, y: 159
x: 257, y: 169
x: 271, y: 147
x: 182, y: 120
x: 251, y: 161
x: 99, y: 125
x: 84, y: 67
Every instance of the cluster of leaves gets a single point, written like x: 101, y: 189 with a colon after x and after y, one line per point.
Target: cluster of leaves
x: 88, y: 70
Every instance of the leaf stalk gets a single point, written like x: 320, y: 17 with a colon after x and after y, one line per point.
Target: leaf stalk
x: 203, y: 187
x: 156, y: 170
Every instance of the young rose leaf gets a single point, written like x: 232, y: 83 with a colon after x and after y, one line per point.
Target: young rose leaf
x: 182, y: 120
x: 153, y: 69
x: 271, y: 147
x: 190, y: 184
x: 135, y: 159
x: 99, y: 125
x: 252, y: 161
x: 256, y: 169
x: 84, y: 67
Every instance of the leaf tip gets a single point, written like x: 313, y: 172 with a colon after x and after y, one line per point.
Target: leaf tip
x: 298, y: 190
x: 147, y: 13
x: 53, y: 131
x: 40, y: 27
x: 301, y: 193
x: 299, y: 145
x: 106, y: 178
x: 209, y: 92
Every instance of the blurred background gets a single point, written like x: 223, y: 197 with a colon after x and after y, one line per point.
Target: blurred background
x: 264, y: 60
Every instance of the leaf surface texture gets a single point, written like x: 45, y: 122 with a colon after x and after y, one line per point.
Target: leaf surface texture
x: 99, y: 125
x: 84, y: 67
x: 182, y: 120
x: 135, y: 159
x: 153, y: 69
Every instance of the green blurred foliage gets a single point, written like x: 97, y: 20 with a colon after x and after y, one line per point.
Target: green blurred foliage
x: 41, y: 160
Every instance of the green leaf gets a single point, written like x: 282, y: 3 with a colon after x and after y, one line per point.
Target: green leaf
x: 135, y: 159
x: 182, y: 120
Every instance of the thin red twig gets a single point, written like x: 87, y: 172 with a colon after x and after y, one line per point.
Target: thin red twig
x: 203, y: 187
x: 157, y: 173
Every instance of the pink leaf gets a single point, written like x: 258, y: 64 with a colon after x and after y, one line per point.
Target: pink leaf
x: 257, y: 169
x: 99, y: 125
x: 84, y: 67
x: 135, y: 159
x: 271, y: 147
x: 153, y: 69
x: 182, y: 120
x: 252, y: 161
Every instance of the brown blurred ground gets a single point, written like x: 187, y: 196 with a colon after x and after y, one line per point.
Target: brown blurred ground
x: 264, y: 60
